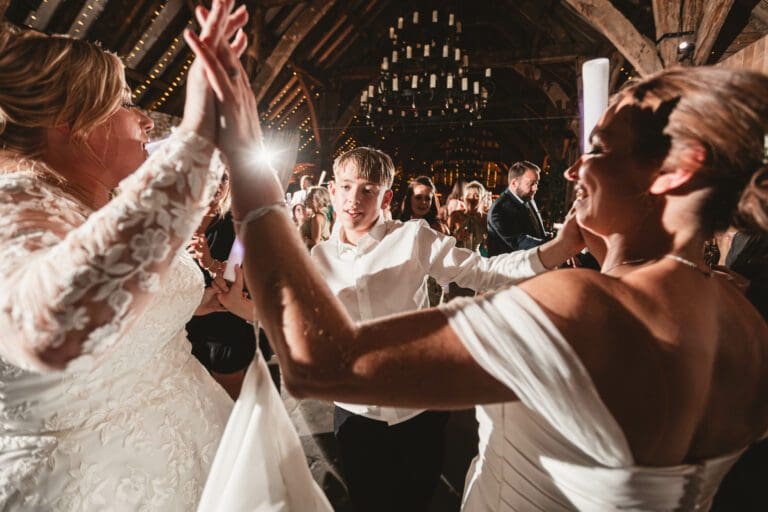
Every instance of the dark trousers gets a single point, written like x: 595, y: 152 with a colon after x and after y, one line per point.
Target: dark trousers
x: 391, y: 468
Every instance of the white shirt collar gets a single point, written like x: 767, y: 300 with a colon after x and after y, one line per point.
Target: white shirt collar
x: 377, y: 232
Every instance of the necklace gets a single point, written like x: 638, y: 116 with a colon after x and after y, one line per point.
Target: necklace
x: 689, y: 263
x: 675, y: 257
x: 635, y: 261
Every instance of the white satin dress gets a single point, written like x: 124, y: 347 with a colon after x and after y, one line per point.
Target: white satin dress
x: 559, y: 448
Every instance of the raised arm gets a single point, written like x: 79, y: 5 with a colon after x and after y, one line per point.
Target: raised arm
x: 72, y: 288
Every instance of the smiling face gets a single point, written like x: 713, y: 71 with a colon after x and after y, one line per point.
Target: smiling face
x: 357, y: 201
x: 421, y: 200
x: 612, y: 183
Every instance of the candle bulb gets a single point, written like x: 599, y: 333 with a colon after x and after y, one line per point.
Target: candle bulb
x: 400, y: 22
x: 395, y: 85
x: 414, y: 81
x: 408, y: 52
x: 364, y: 97
x: 465, y: 61
x: 415, y: 17
x: 449, y: 81
x: 457, y: 54
x: 426, y: 50
x: 391, y: 32
x: 445, y: 51
x: 487, y: 72
x: 432, y: 81
x: 458, y: 27
x: 394, y: 56
x: 385, y: 64
x: 476, y: 87
x: 450, y: 20
x: 434, y: 16
x: 464, y: 83
x: 370, y: 91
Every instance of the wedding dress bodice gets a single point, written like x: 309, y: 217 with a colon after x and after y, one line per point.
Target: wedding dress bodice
x: 134, y: 421
x: 558, y: 448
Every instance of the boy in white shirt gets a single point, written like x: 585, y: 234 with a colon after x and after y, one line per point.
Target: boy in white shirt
x: 392, y: 457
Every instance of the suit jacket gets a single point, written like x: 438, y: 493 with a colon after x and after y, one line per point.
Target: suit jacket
x: 510, y: 226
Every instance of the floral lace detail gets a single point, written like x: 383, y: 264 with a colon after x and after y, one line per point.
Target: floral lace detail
x: 133, y: 423
x: 71, y: 280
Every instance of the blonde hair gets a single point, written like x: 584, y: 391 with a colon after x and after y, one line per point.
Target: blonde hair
x: 476, y: 185
x: 50, y: 81
x: 371, y: 164
x: 318, y: 198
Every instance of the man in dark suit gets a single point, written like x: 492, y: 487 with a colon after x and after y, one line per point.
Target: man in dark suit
x: 514, y: 222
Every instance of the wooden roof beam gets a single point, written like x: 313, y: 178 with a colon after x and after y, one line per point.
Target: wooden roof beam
x: 288, y: 43
x: 287, y: 99
x: 638, y: 49
x: 712, y: 22
x: 312, y: 110
x: 666, y: 17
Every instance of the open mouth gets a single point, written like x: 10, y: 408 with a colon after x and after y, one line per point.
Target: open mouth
x: 353, y: 214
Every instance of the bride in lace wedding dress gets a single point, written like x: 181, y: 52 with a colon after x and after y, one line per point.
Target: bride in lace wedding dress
x: 102, y: 406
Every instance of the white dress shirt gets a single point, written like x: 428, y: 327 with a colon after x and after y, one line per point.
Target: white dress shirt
x: 387, y: 273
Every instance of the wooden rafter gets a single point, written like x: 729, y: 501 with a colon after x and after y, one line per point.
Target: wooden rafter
x: 290, y: 40
x: 761, y: 12
x: 312, y: 110
x: 712, y: 21
x: 638, y: 49
x: 287, y: 99
x: 666, y: 17
x: 255, y: 36
x: 288, y: 85
x: 4, y: 4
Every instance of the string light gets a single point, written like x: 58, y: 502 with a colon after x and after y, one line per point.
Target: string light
x: 86, y: 17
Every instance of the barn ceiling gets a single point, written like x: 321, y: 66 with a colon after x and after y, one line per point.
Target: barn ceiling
x: 309, y: 60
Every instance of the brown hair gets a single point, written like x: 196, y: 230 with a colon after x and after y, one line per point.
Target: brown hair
x: 724, y: 111
x: 406, y: 209
x: 372, y: 164
x: 517, y: 169
x: 49, y: 81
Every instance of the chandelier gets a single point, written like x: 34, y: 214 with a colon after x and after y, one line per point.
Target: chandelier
x: 425, y: 75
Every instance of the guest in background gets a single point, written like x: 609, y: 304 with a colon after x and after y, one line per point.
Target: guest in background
x: 222, y: 338
x: 317, y: 224
x: 298, y: 213
x: 455, y: 199
x: 468, y: 226
x: 514, y: 222
x: 300, y: 196
x: 420, y: 202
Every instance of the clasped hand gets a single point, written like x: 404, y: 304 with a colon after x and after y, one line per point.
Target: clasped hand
x: 221, y: 104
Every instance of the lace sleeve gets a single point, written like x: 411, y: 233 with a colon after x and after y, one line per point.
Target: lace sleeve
x: 72, y: 286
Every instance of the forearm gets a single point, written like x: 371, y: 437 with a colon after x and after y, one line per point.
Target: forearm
x: 308, y: 327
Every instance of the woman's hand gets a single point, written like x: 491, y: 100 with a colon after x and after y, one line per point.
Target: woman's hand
x: 239, y: 132
x: 217, y: 25
x: 198, y: 249
x: 236, y: 300
x: 210, y: 302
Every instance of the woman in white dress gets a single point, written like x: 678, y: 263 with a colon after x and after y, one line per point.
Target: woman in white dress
x: 102, y: 406
x: 631, y: 389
